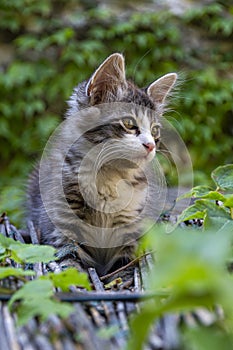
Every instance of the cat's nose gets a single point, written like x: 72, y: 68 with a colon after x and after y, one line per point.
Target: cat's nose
x: 149, y: 146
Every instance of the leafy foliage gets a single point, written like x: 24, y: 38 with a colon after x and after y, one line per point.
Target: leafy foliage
x: 36, y: 297
x: 65, y: 279
x: 36, y: 300
x: 49, y: 47
x: 191, y: 267
x: 11, y: 271
x: 208, y: 208
x: 190, y: 272
x: 223, y: 177
x: 25, y: 253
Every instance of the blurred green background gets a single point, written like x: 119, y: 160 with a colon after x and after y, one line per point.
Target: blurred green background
x: 48, y: 46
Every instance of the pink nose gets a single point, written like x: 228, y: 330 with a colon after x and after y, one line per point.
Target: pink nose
x: 149, y: 146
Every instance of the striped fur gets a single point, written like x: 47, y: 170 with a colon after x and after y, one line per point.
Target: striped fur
x: 105, y: 170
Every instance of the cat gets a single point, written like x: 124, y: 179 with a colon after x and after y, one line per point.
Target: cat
x: 94, y: 185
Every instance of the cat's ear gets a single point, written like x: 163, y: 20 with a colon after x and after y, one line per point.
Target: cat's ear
x: 108, y: 78
x: 160, y: 88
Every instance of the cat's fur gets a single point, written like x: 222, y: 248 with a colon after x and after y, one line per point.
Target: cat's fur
x: 94, y: 185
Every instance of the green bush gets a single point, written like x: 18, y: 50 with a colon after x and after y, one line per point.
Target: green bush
x: 51, y: 45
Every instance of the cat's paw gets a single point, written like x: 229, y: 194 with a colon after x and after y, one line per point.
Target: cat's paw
x: 66, y: 256
x: 63, y: 265
x: 68, y: 251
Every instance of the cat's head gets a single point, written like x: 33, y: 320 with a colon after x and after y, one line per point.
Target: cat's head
x: 109, y: 84
x: 137, y: 124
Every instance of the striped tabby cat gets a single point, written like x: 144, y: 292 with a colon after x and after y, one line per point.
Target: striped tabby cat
x: 95, y: 183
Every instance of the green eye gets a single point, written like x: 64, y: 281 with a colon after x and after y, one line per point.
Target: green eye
x: 155, y: 131
x: 129, y: 123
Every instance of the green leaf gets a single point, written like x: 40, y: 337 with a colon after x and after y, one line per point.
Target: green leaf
x: 35, y: 300
x: 226, y: 227
x: 11, y: 271
x: 196, y: 192
x: 140, y: 326
x: 42, y: 309
x: 229, y: 202
x: 215, y: 196
x: 28, y: 253
x: 194, y: 257
x: 203, y: 338
x: 223, y: 177
x: 31, y: 253
x: 214, y: 221
x: 67, y: 278
x: 203, y: 192
x: 190, y: 213
x: 5, y: 242
x: 191, y: 266
x: 200, y: 208
x: 36, y: 289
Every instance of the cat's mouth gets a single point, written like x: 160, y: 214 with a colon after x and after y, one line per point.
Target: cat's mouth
x: 141, y: 160
x: 150, y: 155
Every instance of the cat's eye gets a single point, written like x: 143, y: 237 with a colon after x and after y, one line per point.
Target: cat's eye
x: 155, y: 131
x: 129, y: 123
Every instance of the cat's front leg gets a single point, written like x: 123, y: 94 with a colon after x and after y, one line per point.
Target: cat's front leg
x: 66, y: 256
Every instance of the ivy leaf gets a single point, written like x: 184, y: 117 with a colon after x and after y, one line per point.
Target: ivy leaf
x: 36, y: 300
x: 69, y: 277
x: 223, y: 177
x: 215, y: 196
x: 214, y: 221
x: 203, y: 192
x: 28, y: 253
x: 229, y: 202
x: 11, y: 271
x: 43, y: 310
x: 196, y: 192
x: 190, y: 213
x: 201, y: 208
x: 203, y: 338
x: 31, y: 253
x: 35, y: 289
x: 227, y: 226
x: 5, y: 242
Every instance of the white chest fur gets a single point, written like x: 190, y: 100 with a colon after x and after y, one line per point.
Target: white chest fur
x: 115, y: 195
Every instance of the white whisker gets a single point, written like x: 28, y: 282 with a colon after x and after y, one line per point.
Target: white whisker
x: 166, y: 151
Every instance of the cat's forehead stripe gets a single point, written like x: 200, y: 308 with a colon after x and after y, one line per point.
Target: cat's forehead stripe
x: 144, y: 114
x: 139, y: 97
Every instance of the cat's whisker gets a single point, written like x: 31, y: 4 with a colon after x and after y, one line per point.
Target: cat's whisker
x: 172, y: 111
x: 166, y: 154
x: 111, y: 152
x: 139, y: 61
x: 106, y: 152
x: 162, y: 151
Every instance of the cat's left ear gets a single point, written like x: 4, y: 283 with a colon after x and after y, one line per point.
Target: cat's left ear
x: 160, y: 88
x: 108, y: 78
